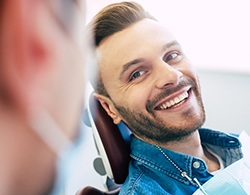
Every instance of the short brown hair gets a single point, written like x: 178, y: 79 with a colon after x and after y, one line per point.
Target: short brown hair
x: 110, y: 20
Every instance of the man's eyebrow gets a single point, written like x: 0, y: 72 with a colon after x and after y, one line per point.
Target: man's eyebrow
x: 126, y: 66
x: 170, y: 44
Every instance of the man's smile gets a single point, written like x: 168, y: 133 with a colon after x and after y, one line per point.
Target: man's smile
x: 174, y: 100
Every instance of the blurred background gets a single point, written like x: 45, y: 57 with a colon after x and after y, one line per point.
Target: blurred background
x: 215, y: 35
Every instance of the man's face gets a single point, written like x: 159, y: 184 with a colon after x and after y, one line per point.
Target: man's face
x: 151, y: 83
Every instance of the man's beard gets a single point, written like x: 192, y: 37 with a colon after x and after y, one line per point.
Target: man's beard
x: 158, y: 130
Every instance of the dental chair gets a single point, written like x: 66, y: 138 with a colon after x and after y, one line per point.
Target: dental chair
x: 112, y: 144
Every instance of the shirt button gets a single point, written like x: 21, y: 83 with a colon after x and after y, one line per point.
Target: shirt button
x: 196, y: 164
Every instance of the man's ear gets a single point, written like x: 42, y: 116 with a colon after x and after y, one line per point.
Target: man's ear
x: 108, y: 106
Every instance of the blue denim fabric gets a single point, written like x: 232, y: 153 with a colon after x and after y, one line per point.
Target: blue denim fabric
x: 150, y: 173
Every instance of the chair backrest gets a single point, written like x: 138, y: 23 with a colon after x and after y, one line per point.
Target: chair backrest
x: 111, y: 142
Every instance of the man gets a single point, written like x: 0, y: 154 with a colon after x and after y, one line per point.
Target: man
x: 146, y: 81
x: 41, y: 90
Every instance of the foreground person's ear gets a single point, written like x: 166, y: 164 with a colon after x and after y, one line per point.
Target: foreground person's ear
x: 29, y: 51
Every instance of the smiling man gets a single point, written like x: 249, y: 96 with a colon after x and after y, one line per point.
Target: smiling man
x: 146, y: 81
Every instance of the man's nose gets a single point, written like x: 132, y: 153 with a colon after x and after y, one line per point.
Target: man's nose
x: 167, y: 76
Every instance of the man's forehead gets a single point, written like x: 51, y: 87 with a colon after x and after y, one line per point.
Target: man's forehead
x: 133, y: 41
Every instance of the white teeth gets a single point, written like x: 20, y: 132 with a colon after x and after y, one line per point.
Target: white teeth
x: 174, y: 101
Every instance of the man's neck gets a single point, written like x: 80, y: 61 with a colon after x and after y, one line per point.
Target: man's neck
x: 190, y: 145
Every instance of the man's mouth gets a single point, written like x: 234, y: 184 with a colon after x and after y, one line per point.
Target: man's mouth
x: 176, y: 101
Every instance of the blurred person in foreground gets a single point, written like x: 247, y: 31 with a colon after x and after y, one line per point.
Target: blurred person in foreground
x: 42, y: 61
x: 145, y: 80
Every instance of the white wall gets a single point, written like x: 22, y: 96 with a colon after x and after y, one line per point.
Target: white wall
x: 226, y: 98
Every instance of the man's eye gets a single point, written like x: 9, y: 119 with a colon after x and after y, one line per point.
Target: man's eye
x: 136, y: 75
x: 171, y: 57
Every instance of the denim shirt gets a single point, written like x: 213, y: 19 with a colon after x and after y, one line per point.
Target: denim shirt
x: 150, y: 173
